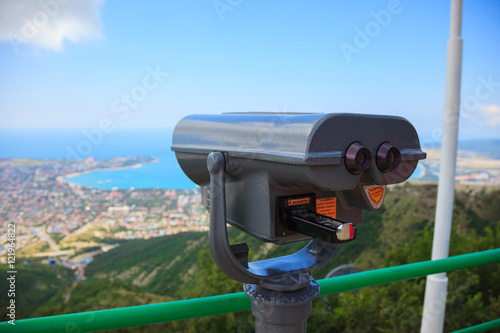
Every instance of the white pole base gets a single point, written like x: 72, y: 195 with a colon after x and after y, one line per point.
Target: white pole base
x: 434, y: 303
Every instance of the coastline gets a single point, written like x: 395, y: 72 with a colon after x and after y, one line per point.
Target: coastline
x: 79, y: 173
x: 159, y: 172
x: 66, y: 178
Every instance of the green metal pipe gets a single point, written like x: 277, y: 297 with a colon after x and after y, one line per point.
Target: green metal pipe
x: 481, y: 327
x: 163, y: 312
x: 405, y: 272
x: 94, y: 321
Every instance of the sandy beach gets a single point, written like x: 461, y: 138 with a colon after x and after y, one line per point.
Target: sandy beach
x: 74, y: 174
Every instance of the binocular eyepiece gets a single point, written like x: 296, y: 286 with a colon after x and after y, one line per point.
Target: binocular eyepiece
x: 359, y: 158
x: 388, y: 157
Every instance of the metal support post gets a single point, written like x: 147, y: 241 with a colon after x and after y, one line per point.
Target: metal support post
x: 436, y: 287
x: 284, y: 305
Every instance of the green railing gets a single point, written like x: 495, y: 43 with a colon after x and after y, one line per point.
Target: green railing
x: 163, y: 312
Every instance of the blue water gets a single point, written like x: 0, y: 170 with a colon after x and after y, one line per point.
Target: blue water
x: 60, y: 144
x: 166, y: 173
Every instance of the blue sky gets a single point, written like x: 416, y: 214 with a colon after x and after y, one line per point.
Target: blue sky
x: 97, y: 63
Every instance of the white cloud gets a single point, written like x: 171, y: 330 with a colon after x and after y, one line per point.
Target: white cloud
x: 491, y: 114
x: 45, y: 24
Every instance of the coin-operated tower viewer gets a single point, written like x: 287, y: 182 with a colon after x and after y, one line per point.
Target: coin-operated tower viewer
x: 284, y: 178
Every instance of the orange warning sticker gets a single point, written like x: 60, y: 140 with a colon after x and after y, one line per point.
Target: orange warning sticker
x: 301, y: 201
x: 327, y: 207
x: 375, y: 194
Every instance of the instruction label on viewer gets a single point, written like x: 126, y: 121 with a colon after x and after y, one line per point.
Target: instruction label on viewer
x: 301, y: 201
x: 327, y: 207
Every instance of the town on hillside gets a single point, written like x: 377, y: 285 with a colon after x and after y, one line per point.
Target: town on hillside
x: 68, y: 224
x: 62, y: 223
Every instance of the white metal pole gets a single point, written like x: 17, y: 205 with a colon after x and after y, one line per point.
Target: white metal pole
x: 436, y: 287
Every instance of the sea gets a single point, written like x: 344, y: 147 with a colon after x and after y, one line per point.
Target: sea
x: 68, y: 143
x: 63, y: 144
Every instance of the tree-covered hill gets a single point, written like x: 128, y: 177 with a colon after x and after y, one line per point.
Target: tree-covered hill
x: 159, y: 265
x: 37, y: 286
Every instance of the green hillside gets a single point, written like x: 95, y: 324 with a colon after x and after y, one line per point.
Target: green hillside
x: 180, y: 266
x: 38, y: 287
x: 159, y: 265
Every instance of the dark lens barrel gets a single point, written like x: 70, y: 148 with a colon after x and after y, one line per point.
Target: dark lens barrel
x: 357, y: 158
x: 388, y: 157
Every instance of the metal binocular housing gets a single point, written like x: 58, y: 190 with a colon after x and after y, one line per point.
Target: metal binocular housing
x: 291, y: 177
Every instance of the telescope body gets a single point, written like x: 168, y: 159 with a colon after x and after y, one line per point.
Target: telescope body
x: 335, y: 165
